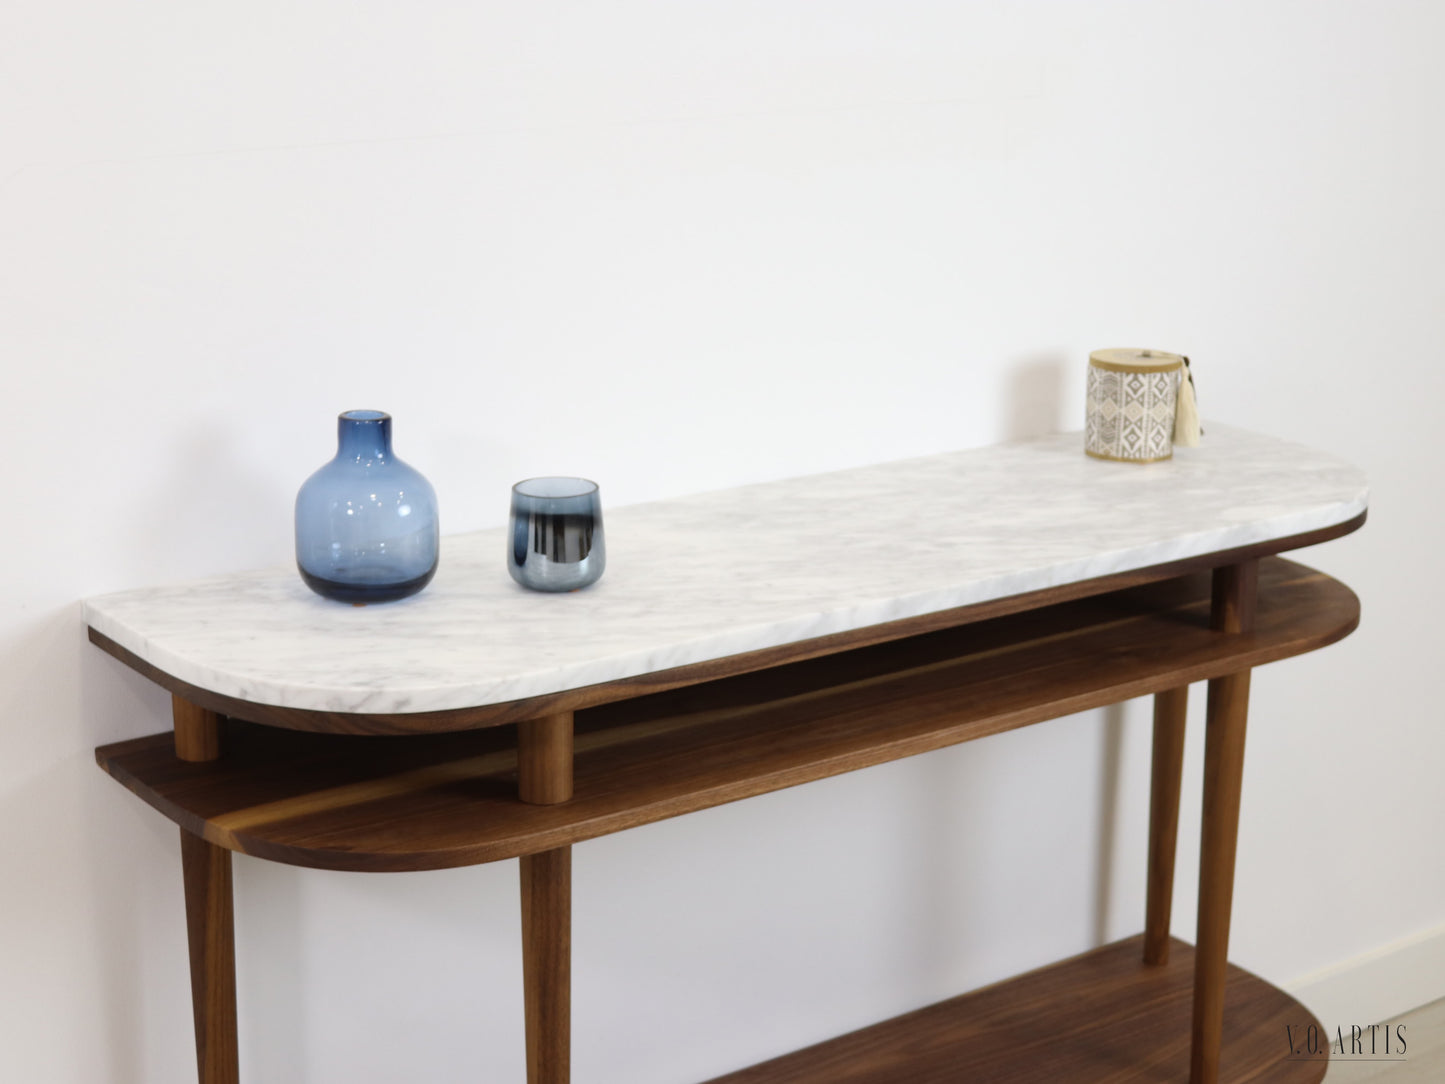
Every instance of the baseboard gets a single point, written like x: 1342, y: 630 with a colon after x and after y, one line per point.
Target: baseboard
x: 1377, y: 985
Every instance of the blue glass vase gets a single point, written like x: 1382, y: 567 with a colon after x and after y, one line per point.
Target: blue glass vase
x: 366, y: 523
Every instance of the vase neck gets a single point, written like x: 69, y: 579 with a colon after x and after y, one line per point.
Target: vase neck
x: 363, y: 435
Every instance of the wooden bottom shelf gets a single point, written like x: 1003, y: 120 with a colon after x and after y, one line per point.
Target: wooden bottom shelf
x: 1102, y: 1016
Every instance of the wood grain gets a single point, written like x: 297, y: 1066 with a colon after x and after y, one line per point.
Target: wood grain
x: 544, y: 759
x: 1234, y: 594
x: 1233, y: 614
x: 1105, y: 1016
x: 206, y: 871
x: 573, y: 700
x: 544, y: 777
x: 1170, y: 708
x: 197, y: 730
x: 547, y: 963
x: 445, y: 800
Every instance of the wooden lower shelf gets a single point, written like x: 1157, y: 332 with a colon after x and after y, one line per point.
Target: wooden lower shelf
x: 437, y: 801
x: 1101, y: 1017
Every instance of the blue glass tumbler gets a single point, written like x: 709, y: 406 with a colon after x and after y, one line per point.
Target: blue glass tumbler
x: 366, y: 523
x: 555, y: 541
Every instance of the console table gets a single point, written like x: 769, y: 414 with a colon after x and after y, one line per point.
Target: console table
x: 749, y: 640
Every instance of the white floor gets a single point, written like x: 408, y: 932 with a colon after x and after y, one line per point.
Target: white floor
x: 1424, y: 1058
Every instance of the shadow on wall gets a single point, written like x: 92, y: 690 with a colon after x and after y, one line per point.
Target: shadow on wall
x: 1034, y: 407
x: 1034, y: 397
x: 131, y: 858
x: 217, y: 508
x: 1110, y: 756
x: 73, y: 903
x: 1035, y: 390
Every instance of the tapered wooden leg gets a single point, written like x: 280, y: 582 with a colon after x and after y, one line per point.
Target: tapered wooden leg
x: 547, y: 963
x: 544, y: 777
x: 198, y: 731
x: 1233, y: 613
x: 1170, y: 708
x: 209, y: 927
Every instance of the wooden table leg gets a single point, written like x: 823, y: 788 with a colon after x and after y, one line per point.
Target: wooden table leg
x: 544, y: 777
x: 1170, y: 708
x: 210, y: 931
x: 1233, y: 612
x: 210, y: 927
x: 546, y: 963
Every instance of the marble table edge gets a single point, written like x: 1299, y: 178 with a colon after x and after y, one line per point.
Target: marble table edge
x: 396, y: 699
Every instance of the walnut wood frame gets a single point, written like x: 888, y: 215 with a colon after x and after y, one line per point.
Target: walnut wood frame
x: 644, y: 758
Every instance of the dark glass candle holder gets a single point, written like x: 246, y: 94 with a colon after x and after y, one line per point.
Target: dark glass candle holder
x: 555, y: 542
x: 366, y: 523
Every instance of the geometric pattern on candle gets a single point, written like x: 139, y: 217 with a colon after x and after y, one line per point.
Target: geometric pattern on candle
x: 1130, y: 416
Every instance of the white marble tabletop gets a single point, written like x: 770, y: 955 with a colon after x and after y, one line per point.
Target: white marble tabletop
x: 708, y: 576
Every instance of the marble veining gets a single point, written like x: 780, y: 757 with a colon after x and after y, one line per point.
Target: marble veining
x: 712, y: 575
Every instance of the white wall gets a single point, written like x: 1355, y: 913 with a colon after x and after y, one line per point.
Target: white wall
x: 676, y: 247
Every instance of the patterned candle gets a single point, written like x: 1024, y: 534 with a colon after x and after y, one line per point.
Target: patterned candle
x: 1129, y: 414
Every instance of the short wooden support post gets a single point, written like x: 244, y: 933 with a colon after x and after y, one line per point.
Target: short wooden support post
x: 198, y: 731
x: 544, y: 777
x: 1232, y: 613
x: 544, y: 759
x: 1170, y: 708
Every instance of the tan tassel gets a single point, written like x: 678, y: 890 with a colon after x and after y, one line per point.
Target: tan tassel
x: 1186, y: 411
